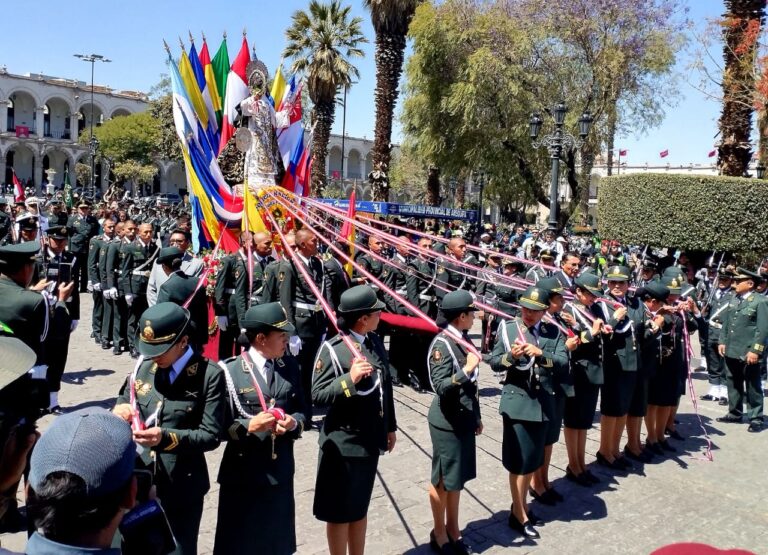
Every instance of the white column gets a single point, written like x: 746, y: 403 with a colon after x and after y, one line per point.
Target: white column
x: 39, y: 121
x: 37, y: 171
x: 3, y: 121
x: 73, y: 120
x: 362, y: 169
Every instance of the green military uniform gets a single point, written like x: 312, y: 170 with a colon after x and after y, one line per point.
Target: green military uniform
x: 745, y: 330
x: 225, y: 302
x: 359, y: 417
x: 107, y: 276
x: 257, y: 469
x: 338, y: 279
x: 528, y: 385
x: 270, y: 292
x: 487, y: 291
x: 189, y: 400
x: 420, y: 288
x: 401, y: 340
x: 454, y: 414
x: 178, y: 289
x: 6, y: 223
x: 137, y: 260
x: 373, y: 266
x: 451, y: 275
x: 245, y: 295
x: 715, y: 312
x: 116, y: 282
x: 95, y: 247
x: 81, y: 229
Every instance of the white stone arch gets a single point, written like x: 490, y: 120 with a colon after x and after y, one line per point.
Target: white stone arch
x: 58, y: 118
x: 176, y: 179
x: 334, y: 160
x: 352, y: 167
x: 120, y: 111
x: 57, y: 96
x: 366, y: 192
x: 57, y: 156
x: 99, y: 113
x: 25, y: 104
x: 368, y: 163
x: 25, y: 156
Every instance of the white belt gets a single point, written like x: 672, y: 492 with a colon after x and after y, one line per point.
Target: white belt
x: 427, y: 297
x: 306, y: 306
x: 142, y: 274
x: 230, y: 291
x: 715, y: 325
x: 401, y: 291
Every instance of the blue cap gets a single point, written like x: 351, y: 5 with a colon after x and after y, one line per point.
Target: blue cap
x: 91, y: 443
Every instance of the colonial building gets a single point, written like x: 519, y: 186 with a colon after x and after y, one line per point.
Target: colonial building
x: 41, y: 118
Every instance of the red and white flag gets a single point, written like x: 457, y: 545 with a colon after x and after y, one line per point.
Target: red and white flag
x: 623, y: 152
x: 664, y: 153
x: 237, y: 91
x: 711, y: 153
x: 18, y: 190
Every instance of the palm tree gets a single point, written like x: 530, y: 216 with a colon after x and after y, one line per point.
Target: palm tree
x: 741, y: 26
x: 390, y: 19
x: 321, y: 43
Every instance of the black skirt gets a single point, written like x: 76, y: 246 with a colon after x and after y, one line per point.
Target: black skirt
x: 555, y: 413
x: 664, y: 389
x: 241, y: 507
x: 344, y: 485
x: 616, y: 391
x: 522, y: 447
x: 639, y: 404
x: 453, y: 458
x: 580, y: 409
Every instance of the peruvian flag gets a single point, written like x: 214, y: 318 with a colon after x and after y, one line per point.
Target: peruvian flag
x: 237, y: 91
x: 623, y: 152
x: 664, y: 153
x: 304, y: 172
x: 18, y: 190
x: 711, y: 153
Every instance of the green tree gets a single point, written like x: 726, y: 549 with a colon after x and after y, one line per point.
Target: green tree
x: 408, y: 172
x: 390, y: 19
x: 322, y: 42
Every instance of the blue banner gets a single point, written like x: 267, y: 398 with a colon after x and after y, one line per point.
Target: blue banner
x: 405, y: 210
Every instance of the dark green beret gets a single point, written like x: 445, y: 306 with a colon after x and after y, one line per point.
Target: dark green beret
x: 618, y: 273
x: 656, y: 290
x: 590, y: 282
x: 160, y: 327
x: 458, y: 301
x: 167, y: 255
x: 266, y: 317
x: 535, y: 298
x: 19, y: 253
x: 551, y: 285
x: 359, y: 299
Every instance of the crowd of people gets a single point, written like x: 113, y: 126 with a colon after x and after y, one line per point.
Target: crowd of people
x: 310, y: 331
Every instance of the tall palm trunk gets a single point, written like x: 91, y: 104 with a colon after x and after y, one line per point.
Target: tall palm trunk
x: 322, y: 116
x: 390, y: 49
x: 742, y: 20
x: 433, y: 186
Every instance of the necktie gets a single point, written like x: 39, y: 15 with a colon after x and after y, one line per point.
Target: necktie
x: 268, y: 373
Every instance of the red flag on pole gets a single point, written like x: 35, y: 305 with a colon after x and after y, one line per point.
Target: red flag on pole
x: 664, y: 153
x: 623, y: 152
x: 711, y: 153
x: 18, y: 190
x: 237, y: 91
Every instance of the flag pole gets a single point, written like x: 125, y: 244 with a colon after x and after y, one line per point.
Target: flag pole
x: 618, y: 169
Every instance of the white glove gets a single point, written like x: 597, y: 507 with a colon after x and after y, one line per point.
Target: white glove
x: 73, y: 327
x: 223, y: 322
x: 129, y: 298
x: 89, y: 287
x: 294, y: 345
x: 97, y: 287
x: 110, y: 293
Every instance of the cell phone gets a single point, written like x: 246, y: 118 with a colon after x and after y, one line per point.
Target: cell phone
x: 65, y: 272
x: 146, y: 531
x: 143, y: 485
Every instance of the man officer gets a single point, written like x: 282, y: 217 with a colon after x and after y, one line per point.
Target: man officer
x: 96, y: 246
x: 742, y: 343
x: 82, y: 226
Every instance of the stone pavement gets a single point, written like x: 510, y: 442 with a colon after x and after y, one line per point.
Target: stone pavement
x: 683, y: 498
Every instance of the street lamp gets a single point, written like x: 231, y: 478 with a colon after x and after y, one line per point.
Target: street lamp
x: 554, y: 142
x: 760, y: 169
x: 479, y: 180
x: 93, y: 143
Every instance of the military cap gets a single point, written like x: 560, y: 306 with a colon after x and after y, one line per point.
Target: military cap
x: 535, y: 298
x: 458, y: 301
x: 650, y: 264
x: 19, y: 253
x: 656, y: 290
x: 743, y: 274
x: 54, y: 201
x: 27, y: 221
x: 725, y: 272
x: 83, y: 204
x: 57, y: 232
x: 673, y: 271
x: 495, y: 255
x: 91, y: 443
x: 547, y: 253
x: 32, y: 200
x: 359, y: 299
x: 590, y: 282
x: 514, y: 262
x: 18, y: 359
x: 266, y: 317
x: 618, y: 273
x: 160, y: 327
x: 551, y: 285
x: 673, y: 283
x: 168, y: 255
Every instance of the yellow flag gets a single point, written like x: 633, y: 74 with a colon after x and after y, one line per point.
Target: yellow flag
x: 251, y: 218
x: 278, y: 88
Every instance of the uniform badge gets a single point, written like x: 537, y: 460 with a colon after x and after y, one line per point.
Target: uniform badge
x: 384, y: 273
x: 534, y: 295
x: 437, y: 355
x: 237, y: 273
x: 192, y: 370
x: 143, y: 389
x: 281, y: 276
x: 440, y: 269
x: 148, y: 333
x: 318, y: 366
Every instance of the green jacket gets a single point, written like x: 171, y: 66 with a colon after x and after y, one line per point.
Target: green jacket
x: 456, y: 405
x: 587, y: 358
x: 525, y: 390
x: 178, y: 288
x: 81, y: 229
x: 248, y: 457
x: 95, y: 247
x: 359, y: 415
x: 243, y: 301
x: 745, y: 326
x: 623, y: 346
x: 224, y: 291
x: 191, y: 416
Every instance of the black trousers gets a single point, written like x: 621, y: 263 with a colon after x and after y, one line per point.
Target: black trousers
x: 306, y: 360
x: 120, y: 322
x: 227, y: 339
x: 137, y: 308
x: 97, y: 316
x: 82, y: 269
x: 715, y: 362
x: 58, y: 345
x: 107, y: 318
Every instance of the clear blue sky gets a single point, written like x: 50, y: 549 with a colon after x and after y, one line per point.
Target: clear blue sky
x: 43, y: 39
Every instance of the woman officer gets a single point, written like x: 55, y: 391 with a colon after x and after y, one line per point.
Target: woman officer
x: 454, y: 419
x: 360, y: 424
x: 265, y: 416
x: 530, y: 352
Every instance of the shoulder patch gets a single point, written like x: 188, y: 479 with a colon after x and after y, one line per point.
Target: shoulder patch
x: 192, y: 370
x: 437, y: 355
x: 281, y: 276
x: 318, y: 366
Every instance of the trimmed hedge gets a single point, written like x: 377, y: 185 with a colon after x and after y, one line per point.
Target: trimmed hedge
x: 688, y: 211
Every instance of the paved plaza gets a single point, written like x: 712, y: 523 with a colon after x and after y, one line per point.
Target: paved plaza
x: 683, y: 498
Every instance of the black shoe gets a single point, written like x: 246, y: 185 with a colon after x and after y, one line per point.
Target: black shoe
x: 667, y: 447
x: 117, y: 350
x: 445, y: 549
x: 755, y: 426
x: 602, y: 461
x: 97, y: 339
x: 643, y: 457
x: 623, y: 463
x: 543, y: 498
x: 57, y: 410
x: 729, y: 419
x: 396, y: 382
x: 93, y: 334
x: 105, y: 344
x: 674, y: 434
x: 580, y: 479
x: 708, y: 397
x: 459, y: 547
x: 524, y: 528
x: 534, y: 519
x: 723, y: 402
x: 134, y: 353
x: 655, y: 448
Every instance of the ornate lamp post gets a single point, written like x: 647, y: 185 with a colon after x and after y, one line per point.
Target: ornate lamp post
x: 478, y: 176
x: 554, y: 142
x: 452, y: 186
x: 93, y: 143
